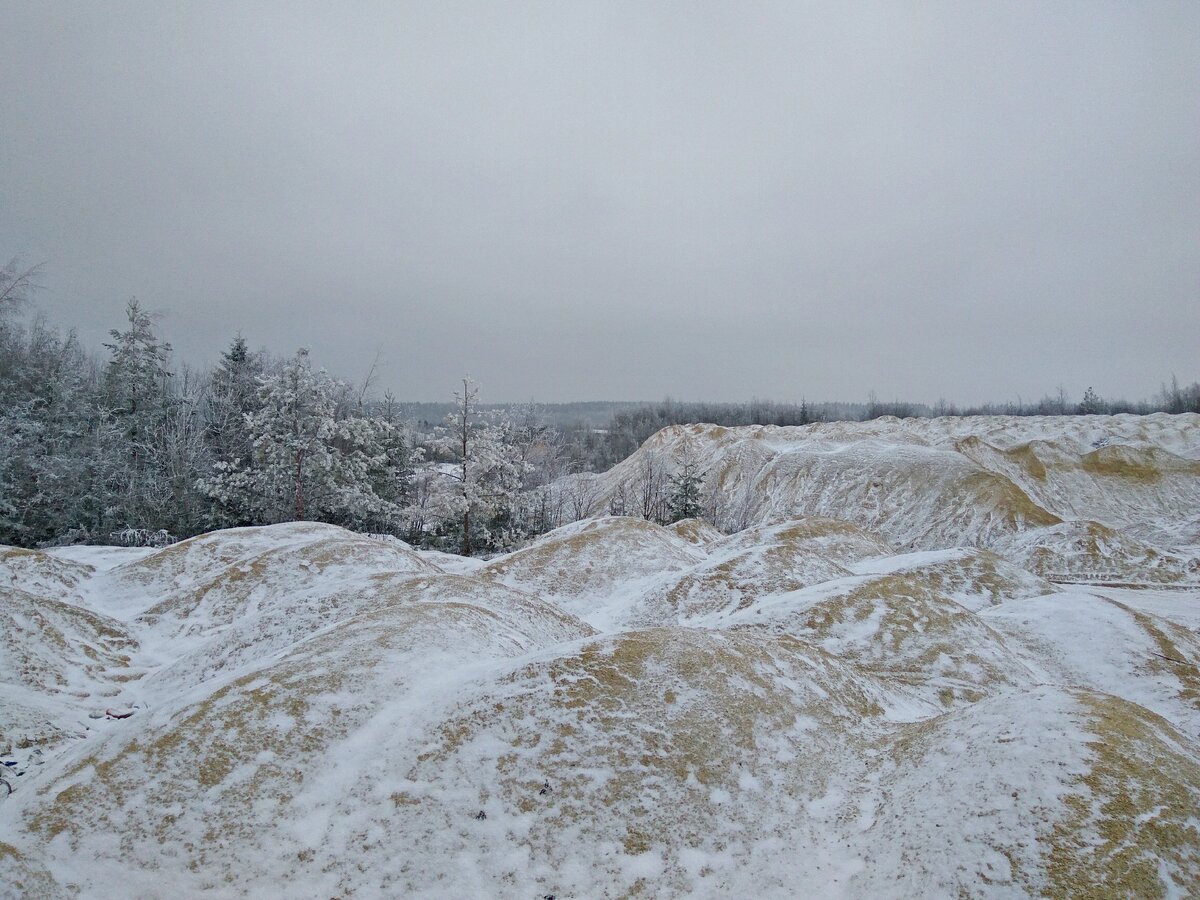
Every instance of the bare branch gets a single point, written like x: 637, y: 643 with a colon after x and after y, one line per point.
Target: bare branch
x: 16, y: 285
x: 370, y: 377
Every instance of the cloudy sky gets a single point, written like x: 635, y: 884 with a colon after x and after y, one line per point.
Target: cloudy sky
x: 623, y: 200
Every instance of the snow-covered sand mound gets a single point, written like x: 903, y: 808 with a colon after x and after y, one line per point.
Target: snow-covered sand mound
x: 21, y: 876
x: 590, y: 568
x: 58, y: 662
x: 662, y: 762
x: 1127, y: 481
x: 939, y: 483
x: 1078, y: 638
x: 833, y: 539
x: 212, y: 580
x: 892, y: 482
x: 1091, y: 552
x: 794, y: 709
x: 758, y: 562
x: 971, y: 577
x: 696, y: 531
x: 286, y: 771
x: 1043, y: 793
x: 41, y: 573
x: 278, y: 585
x: 55, y: 647
x: 392, y: 755
x: 211, y: 555
x: 896, y: 627
x: 270, y: 630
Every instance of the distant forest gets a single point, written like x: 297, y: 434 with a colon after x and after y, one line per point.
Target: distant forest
x: 121, y: 444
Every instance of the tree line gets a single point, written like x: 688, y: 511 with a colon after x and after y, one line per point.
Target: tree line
x: 124, y: 446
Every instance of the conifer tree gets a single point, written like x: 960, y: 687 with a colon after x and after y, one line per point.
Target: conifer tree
x: 137, y: 396
x: 306, y: 462
x: 135, y: 379
x: 233, y: 396
x: 487, y: 471
x: 1091, y: 403
x: 686, y: 485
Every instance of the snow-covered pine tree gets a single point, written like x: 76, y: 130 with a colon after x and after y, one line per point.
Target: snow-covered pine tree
x: 479, y: 490
x: 685, y: 501
x: 287, y: 472
x: 391, y: 469
x: 137, y: 395
x: 59, y: 452
x: 233, y: 396
x: 1091, y: 404
x: 370, y: 476
x: 306, y: 462
x: 135, y: 378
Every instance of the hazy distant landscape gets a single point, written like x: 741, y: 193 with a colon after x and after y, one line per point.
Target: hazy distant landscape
x: 613, y: 450
x: 123, y: 444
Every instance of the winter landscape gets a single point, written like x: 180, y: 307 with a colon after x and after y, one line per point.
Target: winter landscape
x: 941, y: 657
x: 599, y: 450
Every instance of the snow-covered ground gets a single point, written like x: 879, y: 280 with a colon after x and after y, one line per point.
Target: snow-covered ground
x: 808, y: 707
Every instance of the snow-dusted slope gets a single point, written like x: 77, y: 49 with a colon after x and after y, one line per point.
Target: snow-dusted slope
x: 808, y: 707
x: 1127, y: 481
x: 696, y: 531
x: 591, y: 568
x: 57, y: 662
x: 1047, y: 792
x: 666, y: 762
x: 914, y: 492
x: 755, y: 563
x: 42, y: 573
x: 1082, y: 639
x: 895, y: 626
x: 938, y: 483
x: 1090, y: 552
x: 292, y: 769
x: 971, y: 577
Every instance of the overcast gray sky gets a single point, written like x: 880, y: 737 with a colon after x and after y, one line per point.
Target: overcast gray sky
x: 623, y: 200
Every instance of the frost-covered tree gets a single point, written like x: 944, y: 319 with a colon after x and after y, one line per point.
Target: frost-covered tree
x: 232, y: 398
x: 20, y: 432
x: 60, y: 456
x: 371, y: 476
x: 650, y: 487
x: 136, y: 375
x: 481, y: 486
x: 182, y: 457
x: 687, y: 482
x: 1091, y: 404
x: 290, y: 454
x: 307, y: 462
x: 619, y: 502
x: 139, y: 396
x: 545, y: 457
x: 232, y: 395
x: 390, y: 472
x: 17, y: 282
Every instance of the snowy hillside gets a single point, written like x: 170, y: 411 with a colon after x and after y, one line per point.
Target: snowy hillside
x: 945, y: 658
x: 935, y: 483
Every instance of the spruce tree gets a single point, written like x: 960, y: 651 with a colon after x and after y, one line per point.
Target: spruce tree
x: 1091, y: 403
x: 684, y: 501
x: 686, y: 486
x: 478, y: 493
